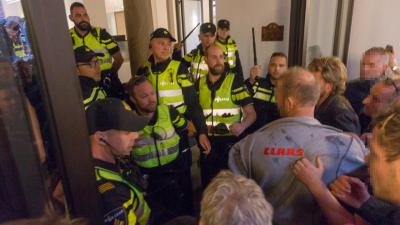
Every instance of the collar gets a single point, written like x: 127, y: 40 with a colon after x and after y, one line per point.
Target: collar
x: 79, y: 35
x: 106, y: 165
x: 224, y: 41
x: 217, y: 84
x: 159, y: 67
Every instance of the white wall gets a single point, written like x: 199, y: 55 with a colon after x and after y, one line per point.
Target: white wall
x: 160, y: 15
x: 375, y: 23
x: 244, y: 15
x: 321, y: 27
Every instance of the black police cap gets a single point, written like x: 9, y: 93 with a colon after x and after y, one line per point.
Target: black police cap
x: 162, y: 33
x: 85, y: 55
x: 223, y: 23
x: 208, y: 28
x: 113, y: 114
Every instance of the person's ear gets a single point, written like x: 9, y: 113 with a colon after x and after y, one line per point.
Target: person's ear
x: 100, y: 137
x: 70, y: 17
x: 290, y: 103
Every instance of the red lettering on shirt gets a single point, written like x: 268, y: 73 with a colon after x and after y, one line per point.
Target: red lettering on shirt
x: 299, y: 152
x: 290, y: 151
x: 280, y: 151
x: 266, y: 151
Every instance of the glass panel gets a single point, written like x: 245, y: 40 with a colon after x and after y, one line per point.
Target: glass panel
x: 192, y: 13
x: 321, y: 29
x: 26, y: 152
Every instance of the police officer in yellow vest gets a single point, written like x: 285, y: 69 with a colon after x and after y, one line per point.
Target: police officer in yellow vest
x: 224, y: 100
x: 113, y: 131
x: 229, y: 46
x: 88, y: 68
x: 194, y: 60
x: 157, y: 153
x: 262, y: 90
x: 99, y: 41
x: 172, y: 84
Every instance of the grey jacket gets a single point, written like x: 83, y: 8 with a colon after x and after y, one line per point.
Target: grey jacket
x: 266, y: 156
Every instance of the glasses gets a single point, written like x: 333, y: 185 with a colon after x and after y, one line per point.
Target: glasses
x: 92, y: 63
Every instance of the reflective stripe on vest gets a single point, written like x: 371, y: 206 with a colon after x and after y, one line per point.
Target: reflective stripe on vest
x: 263, y: 94
x: 198, y: 67
x: 224, y: 109
x: 159, y: 151
x: 97, y: 94
x: 166, y: 84
x: 230, y: 49
x: 140, y: 212
x: 19, y: 50
x: 94, y: 44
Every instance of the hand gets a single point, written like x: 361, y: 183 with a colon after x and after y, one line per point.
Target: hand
x: 237, y: 128
x: 392, y: 58
x: 309, y: 174
x: 191, y: 129
x: 205, y: 143
x: 350, y: 190
x: 255, y: 72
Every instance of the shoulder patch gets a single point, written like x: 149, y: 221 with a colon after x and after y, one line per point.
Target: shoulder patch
x: 105, y: 187
x: 116, y: 217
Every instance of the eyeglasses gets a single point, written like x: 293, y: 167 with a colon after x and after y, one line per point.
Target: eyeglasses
x: 92, y: 63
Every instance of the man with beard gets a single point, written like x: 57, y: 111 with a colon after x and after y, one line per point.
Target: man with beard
x: 263, y: 90
x: 332, y: 108
x: 172, y: 86
x: 223, y: 97
x: 157, y: 153
x: 99, y: 41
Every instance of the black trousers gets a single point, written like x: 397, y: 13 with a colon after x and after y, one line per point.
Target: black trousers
x: 217, y: 159
x: 165, y: 192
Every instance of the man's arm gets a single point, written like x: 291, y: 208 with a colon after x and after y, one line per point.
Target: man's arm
x: 113, y: 49
x: 179, y: 121
x: 194, y: 111
x: 241, y: 96
x: 117, y: 63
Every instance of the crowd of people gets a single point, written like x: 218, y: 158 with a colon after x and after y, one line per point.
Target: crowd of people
x: 297, y: 146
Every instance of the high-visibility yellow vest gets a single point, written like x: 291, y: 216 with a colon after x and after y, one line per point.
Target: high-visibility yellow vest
x: 92, y: 41
x: 97, y: 94
x: 263, y: 94
x: 159, y: 144
x: 198, y: 66
x: 138, y: 212
x: 19, y: 50
x: 169, y: 92
x: 222, y: 109
x: 230, y: 49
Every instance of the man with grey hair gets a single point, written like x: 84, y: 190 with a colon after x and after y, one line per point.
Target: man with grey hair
x: 234, y: 200
x: 373, y: 67
x: 266, y: 156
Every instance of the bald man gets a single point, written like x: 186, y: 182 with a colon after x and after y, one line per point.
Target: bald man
x: 266, y: 156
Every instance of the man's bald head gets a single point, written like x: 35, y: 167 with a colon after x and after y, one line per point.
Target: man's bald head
x: 301, y: 85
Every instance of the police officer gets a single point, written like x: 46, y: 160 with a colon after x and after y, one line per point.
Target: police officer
x: 263, y: 90
x: 99, y: 41
x: 229, y: 46
x: 172, y: 84
x: 113, y: 131
x: 89, y: 72
x: 158, y: 155
x: 222, y: 97
x: 194, y: 60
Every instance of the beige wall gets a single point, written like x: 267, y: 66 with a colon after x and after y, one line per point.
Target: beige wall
x: 255, y: 13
